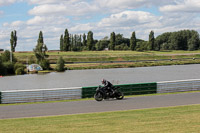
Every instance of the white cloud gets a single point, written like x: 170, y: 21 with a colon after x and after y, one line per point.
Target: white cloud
x: 182, y: 6
x: 40, y: 2
x: 6, y: 2
x: 128, y: 18
x: 48, y: 21
x: 47, y: 9
x: 82, y: 28
x: 118, y: 5
x: 64, y: 8
x: 17, y: 23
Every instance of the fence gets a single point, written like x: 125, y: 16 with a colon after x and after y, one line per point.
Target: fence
x: 127, y: 89
x: 22, y: 96
x: 178, y: 86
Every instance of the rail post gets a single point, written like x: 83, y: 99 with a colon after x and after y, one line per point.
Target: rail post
x: 0, y: 98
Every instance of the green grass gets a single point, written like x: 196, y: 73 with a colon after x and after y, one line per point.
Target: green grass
x: 101, y: 56
x: 126, y: 65
x: 182, y: 119
x: 89, y: 56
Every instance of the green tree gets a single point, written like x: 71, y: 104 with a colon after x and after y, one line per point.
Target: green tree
x: 40, y: 38
x: 90, y: 41
x: 9, y: 68
x: 60, y: 65
x: 101, y: 45
x: 61, y: 43
x: 122, y: 46
x: 161, y: 41
x: 13, y: 40
x: 84, y: 40
x: 119, y: 39
x: 76, y: 43
x: 66, y: 44
x: 6, y: 57
x: 142, y: 46
x: 112, y: 41
x: 40, y: 53
x: 151, y: 40
x: 180, y: 40
x: 193, y: 43
x: 133, y: 41
x: 2, y: 68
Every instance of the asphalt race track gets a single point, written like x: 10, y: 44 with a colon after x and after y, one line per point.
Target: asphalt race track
x: 92, y: 106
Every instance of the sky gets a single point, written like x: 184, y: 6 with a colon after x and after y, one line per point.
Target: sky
x: 52, y: 17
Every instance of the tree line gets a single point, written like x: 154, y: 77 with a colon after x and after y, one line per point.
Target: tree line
x: 180, y: 40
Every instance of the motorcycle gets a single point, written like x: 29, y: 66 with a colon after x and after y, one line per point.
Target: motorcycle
x: 103, y: 93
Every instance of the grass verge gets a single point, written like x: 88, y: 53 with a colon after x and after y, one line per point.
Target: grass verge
x: 93, y: 56
x: 126, y: 65
x: 171, y: 119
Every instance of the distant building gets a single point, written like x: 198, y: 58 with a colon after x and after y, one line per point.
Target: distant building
x: 34, y: 67
x: 1, y: 49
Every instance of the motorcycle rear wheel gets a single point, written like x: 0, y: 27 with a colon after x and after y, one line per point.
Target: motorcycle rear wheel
x: 98, y: 96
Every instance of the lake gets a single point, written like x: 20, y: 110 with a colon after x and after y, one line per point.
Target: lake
x: 79, y: 78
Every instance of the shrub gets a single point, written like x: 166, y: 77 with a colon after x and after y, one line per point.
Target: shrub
x: 2, y: 68
x: 60, y: 65
x: 9, y: 68
x: 45, y: 64
x: 19, y: 69
x: 6, y: 57
x: 31, y: 60
x: 122, y: 46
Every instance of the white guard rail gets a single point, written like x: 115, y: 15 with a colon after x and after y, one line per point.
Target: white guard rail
x: 178, y: 86
x: 22, y: 96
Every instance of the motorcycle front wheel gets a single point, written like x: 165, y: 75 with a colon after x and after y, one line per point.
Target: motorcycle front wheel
x: 119, y: 95
x: 98, y: 96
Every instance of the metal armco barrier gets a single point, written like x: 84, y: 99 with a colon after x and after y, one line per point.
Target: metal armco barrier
x: 178, y: 86
x: 127, y: 89
x: 22, y: 96
x: 138, y: 89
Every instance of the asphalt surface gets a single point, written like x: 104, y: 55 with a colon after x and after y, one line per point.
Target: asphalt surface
x: 92, y: 106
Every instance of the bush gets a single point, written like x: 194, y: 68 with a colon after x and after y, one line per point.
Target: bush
x: 142, y: 46
x: 31, y: 60
x: 45, y: 64
x: 6, y: 57
x: 122, y: 46
x: 2, y: 68
x: 9, y: 68
x: 60, y: 65
x: 19, y: 69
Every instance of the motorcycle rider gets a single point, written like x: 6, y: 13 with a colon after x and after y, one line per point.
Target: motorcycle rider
x: 108, y: 86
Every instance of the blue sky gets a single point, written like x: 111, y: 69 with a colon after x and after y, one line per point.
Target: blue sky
x: 15, y: 12
x: 102, y: 17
